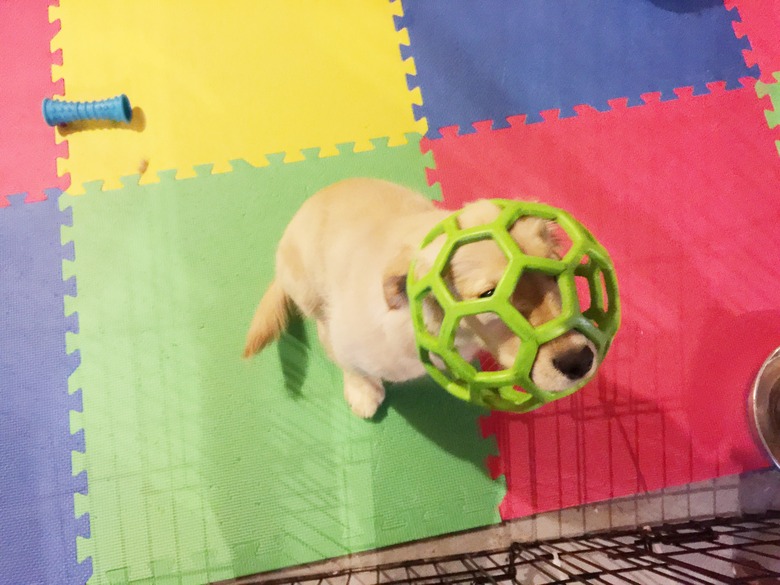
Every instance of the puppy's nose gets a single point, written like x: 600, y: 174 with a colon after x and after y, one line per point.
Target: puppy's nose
x: 575, y: 363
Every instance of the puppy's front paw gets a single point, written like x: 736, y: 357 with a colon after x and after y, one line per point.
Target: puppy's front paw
x: 364, y: 395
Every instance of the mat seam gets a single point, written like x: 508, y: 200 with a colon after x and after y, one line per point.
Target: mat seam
x: 77, y: 440
x: 771, y: 92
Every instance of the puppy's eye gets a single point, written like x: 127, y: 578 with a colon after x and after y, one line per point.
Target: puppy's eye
x: 487, y: 293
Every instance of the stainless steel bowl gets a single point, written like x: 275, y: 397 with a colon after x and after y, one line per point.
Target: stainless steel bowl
x: 764, y: 406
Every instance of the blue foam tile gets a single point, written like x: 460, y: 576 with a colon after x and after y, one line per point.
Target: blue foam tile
x: 493, y: 59
x: 38, y: 527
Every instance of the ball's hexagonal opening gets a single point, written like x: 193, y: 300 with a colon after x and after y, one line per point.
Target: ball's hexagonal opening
x: 447, y: 368
x: 488, y: 363
x: 503, y: 336
x: 432, y: 314
x: 561, y: 239
x: 466, y: 252
x: 537, y: 296
x: 552, y: 232
x: 460, y: 369
x: 604, y: 292
x: 438, y: 362
x: 600, y: 311
x: 437, y: 366
x: 489, y: 333
x: 541, y: 237
x: 583, y: 293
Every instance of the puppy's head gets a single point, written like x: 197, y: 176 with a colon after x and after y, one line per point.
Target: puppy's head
x: 474, y: 272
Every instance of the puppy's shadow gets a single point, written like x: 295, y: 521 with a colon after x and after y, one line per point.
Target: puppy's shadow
x: 294, y: 349
x: 451, y: 424
x: 446, y: 421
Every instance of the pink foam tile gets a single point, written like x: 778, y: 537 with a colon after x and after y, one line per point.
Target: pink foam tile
x: 28, y: 151
x: 684, y: 196
x: 760, y: 22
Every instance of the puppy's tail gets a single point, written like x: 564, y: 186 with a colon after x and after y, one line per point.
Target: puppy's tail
x: 269, y: 321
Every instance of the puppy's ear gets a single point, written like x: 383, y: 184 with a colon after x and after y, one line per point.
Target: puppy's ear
x: 537, y: 237
x: 476, y: 213
x: 551, y: 234
x: 394, y: 279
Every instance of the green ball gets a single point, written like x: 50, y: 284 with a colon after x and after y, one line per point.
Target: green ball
x: 512, y: 389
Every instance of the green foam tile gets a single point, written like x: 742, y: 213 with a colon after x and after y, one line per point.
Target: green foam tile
x: 773, y: 91
x: 203, y: 466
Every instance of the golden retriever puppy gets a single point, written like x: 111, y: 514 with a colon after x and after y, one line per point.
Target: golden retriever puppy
x: 343, y: 261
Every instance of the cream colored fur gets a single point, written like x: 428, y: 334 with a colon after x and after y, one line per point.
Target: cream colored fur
x: 343, y: 261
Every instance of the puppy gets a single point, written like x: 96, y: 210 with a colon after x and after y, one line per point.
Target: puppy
x: 343, y: 261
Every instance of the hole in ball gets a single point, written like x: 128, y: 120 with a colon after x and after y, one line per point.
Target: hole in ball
x: 433, y: 314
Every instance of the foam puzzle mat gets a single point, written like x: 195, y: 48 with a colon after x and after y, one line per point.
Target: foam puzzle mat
x: 27, y: 152
x: 541, y: 58
x: 761, y: 20
x: 38, y: 529
x: 206, y: 83
x: 688, y: 323
x: 137, y: 447
x: 241, y: 467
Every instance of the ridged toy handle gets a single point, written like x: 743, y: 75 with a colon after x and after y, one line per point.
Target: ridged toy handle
x: 117, y: 109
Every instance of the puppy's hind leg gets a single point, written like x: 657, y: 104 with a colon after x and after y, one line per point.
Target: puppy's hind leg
x: 363, y: 394
x: 324, y: 335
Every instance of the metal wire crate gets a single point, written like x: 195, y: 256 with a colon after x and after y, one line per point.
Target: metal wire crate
x: 722, y: 550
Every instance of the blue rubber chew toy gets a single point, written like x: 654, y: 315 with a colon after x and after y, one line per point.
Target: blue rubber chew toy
x: 117, y: 109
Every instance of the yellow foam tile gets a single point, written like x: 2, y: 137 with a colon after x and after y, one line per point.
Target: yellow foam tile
x: 212, y: 82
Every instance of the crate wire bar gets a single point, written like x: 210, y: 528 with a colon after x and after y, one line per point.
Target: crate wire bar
x: 742, y: 549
